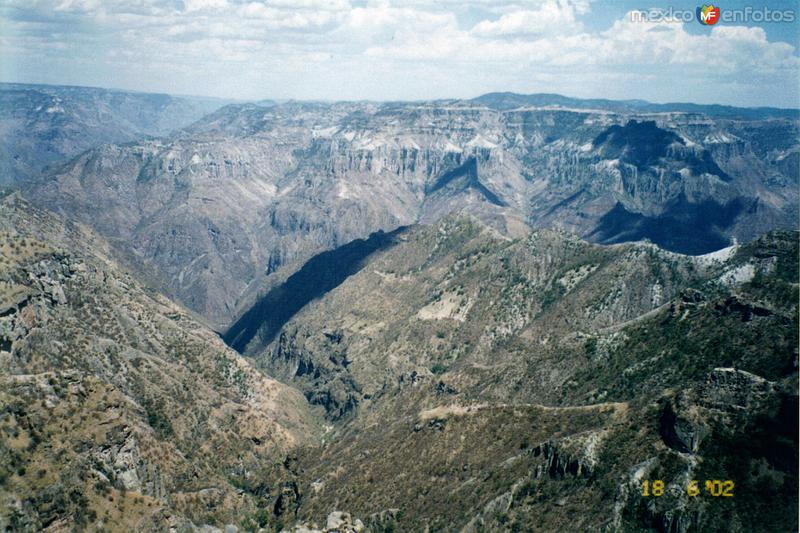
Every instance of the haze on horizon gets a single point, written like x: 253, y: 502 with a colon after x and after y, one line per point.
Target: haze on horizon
x: 398, y: 50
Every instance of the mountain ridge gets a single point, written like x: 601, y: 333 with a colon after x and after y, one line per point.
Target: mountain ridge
x: 43, y: 125
x: 221, y: 205
x: 508, y: 100
x: 441, y: 360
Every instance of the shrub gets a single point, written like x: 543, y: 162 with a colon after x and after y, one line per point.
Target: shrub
x: 438, y: 369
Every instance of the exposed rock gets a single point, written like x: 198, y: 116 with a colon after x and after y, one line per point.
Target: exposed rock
x: 337, y: 522
x: 288, y: 499
x: 118, y: 399
x: 557, y: 464
x: 46, y: 124
x: 682, y: 431
x: 730, y: 388
x: 232, y: 205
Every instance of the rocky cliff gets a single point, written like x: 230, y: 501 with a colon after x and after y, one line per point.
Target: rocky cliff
x: 43, y: 125
x: 249, y: 190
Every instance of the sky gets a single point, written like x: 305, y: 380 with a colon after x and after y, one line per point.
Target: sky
x: 406, y: 50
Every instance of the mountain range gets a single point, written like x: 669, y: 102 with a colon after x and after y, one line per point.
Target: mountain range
x: 43, y: 125
x: 215, y: 209
x: 509, y: 313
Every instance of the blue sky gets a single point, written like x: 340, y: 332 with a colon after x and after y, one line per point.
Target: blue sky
x: 392, y: 49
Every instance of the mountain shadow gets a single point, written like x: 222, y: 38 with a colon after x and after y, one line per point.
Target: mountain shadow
x: 684, y: 227
x: 644, y: 144
x: 319, y: 275
x: 463, y: 177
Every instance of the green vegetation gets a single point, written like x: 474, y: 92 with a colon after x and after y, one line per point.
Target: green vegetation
x: 590, y: 347
x: 157, y: 418
x: 438, y: 369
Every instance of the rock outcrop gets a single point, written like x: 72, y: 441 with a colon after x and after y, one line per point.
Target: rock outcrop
x: 336, y: 522
x: 118, y: 407
x: 47, y: 125
x: 221, y: 211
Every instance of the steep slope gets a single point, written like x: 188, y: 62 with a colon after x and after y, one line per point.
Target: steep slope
x: 120, y: 411
x: 43, y: 125
x: 454, y: 296
x: 480, y: 383
x: 319, y: 275
x: 249, y: 190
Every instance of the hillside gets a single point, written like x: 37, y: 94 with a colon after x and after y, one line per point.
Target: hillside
x: 43, y: 125
x: 480, y: 383
x: 121, y: 412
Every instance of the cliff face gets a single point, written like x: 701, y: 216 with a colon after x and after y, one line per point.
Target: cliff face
x: 43, y: 125
x: 249, y: 190
x: 118, y: 407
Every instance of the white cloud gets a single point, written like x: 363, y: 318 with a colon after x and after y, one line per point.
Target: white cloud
x: 317, y: 5
x: 78, y: 5
x: 550, y: 17
x: 626, y: 43
x: 387, y: 49
x: 192, y: 6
